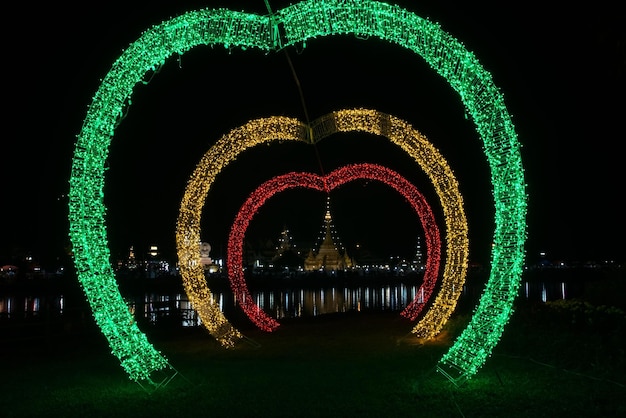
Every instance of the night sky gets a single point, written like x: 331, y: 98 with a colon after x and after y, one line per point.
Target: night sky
x: 562, y: 73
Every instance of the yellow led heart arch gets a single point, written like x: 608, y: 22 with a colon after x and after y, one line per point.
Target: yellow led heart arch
x: 267, y: 130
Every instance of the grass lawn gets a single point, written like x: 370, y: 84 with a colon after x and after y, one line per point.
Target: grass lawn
x: 560, y: 359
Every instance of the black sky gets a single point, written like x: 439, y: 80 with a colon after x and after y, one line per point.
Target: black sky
x: 562, y: 73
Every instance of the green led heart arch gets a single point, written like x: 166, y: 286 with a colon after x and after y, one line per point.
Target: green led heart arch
x: 292, y: 25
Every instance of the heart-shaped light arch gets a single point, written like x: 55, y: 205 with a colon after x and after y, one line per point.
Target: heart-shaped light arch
x: 297, y: 24
x: 275, y: 129
x: 327, y: 183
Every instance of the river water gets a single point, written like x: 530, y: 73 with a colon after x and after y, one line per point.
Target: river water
x: 170, y: 304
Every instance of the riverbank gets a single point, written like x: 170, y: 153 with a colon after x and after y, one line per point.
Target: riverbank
x: 554, y: 359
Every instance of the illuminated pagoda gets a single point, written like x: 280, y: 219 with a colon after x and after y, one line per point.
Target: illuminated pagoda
x: 285, y: 243
x: 287, y: 255
x: 330, y: 256
x: 419, y: 261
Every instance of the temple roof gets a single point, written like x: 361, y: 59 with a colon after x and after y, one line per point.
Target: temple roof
x: 328, y: 256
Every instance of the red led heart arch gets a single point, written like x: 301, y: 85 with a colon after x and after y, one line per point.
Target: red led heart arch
x: 327, y: 183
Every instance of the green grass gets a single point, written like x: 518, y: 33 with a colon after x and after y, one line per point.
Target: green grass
x: 558, y: 359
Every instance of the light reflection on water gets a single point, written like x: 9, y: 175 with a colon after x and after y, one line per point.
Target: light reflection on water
x: 294, y: 303
x: 313, y: 302
x: 29, y: 306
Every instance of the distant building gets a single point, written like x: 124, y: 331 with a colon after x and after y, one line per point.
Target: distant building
x: 155, y: 266
x: 151, y: 267
x: 287, y: 257
x: 419, y: 261
x: 285, y: 243
x: 330, y: 256
x: 8, y: 271
x: 207, y: 263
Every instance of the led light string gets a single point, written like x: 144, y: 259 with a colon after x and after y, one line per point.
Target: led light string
x: 222, y: 153
x: 485, y: 104
x: 276, y: 128
x: 335, y: 179
x: 444, y: 182
x: 300, y: 23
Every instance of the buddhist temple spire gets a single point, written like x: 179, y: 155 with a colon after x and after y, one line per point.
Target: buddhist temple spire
x: 330, y: 256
